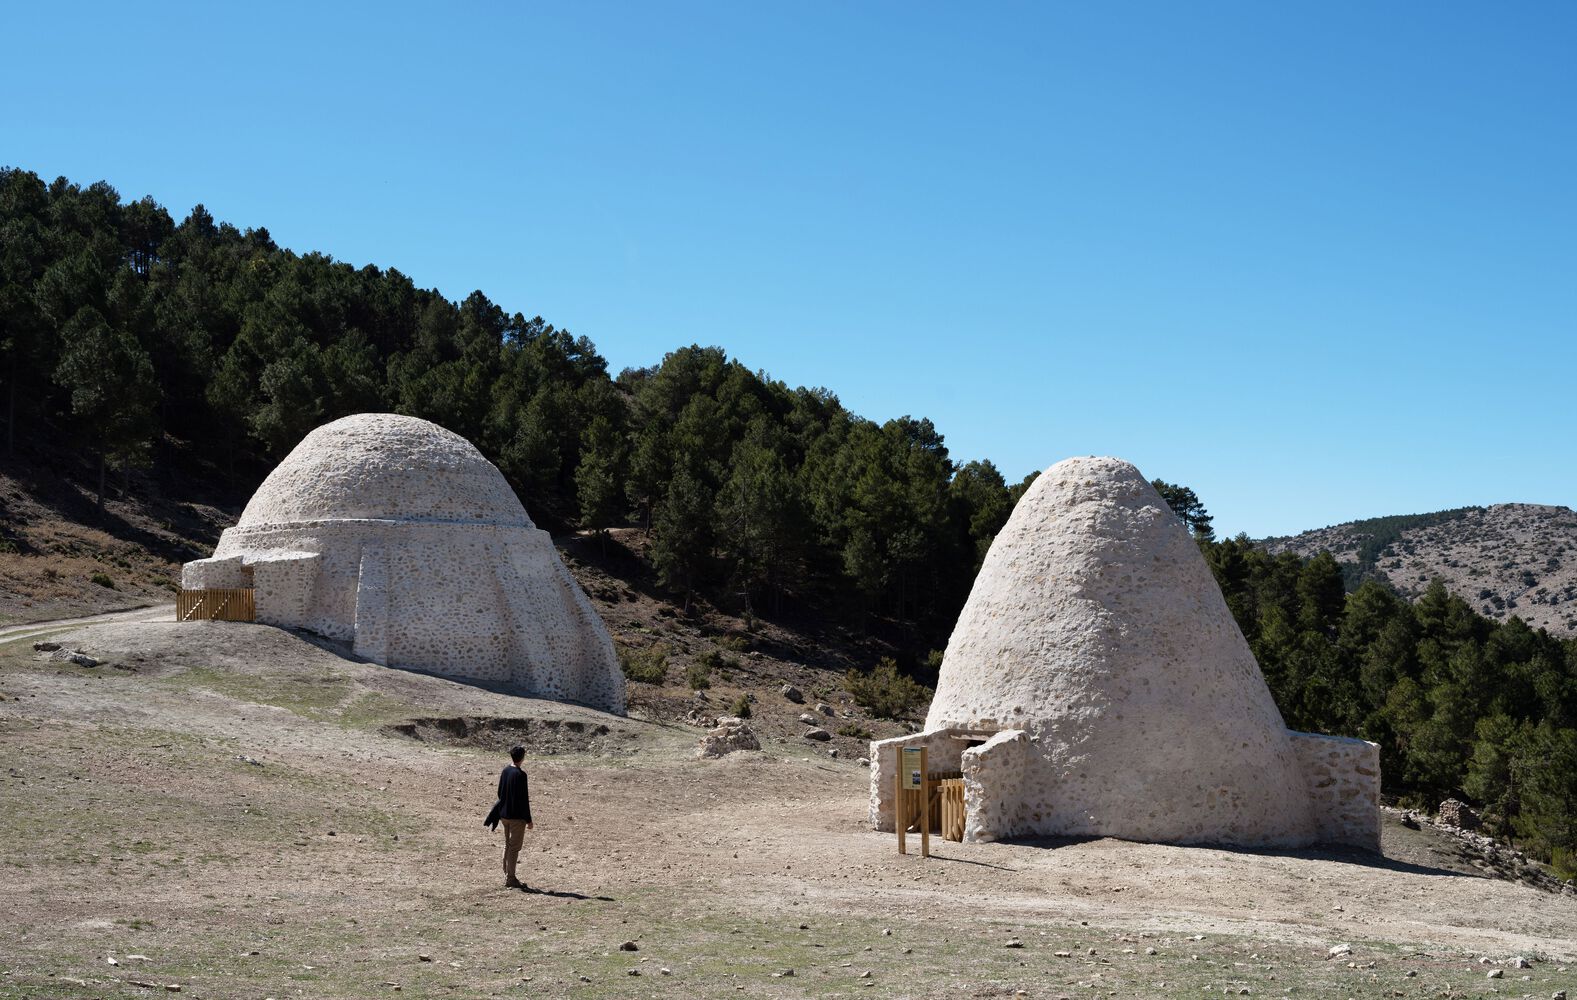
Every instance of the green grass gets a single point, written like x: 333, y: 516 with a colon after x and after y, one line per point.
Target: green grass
x: 311, y: 697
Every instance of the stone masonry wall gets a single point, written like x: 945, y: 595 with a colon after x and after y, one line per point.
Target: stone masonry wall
x: 995, y: 801
x: 1343, y: 778
x: 480, y: 602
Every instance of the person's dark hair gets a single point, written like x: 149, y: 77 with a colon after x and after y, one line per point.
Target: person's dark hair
x: 516, y: 754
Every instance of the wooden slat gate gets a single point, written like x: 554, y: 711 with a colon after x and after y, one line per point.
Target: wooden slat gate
x: 216, y: 605
x: 951, y: 792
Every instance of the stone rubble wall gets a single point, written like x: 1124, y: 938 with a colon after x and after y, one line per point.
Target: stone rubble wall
x: 219, y: 573
x: 995, y: 799
x: 1343, y: 779
x: 943, y: 753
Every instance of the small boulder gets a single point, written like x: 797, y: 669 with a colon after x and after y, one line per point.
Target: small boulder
x: 629, y: 946
x: 819, y: 735
x: 1495, y: 974
x: 808, y: 719
x: 824, y: 708
x: 45, y: 647
x: 1521, y: 963
x: 793, y: 694
x: 730, y: 735
x: 1339, y: 951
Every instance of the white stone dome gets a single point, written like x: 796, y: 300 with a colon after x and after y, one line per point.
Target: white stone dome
x: 1096, y: 626
x: 383, y: 466
x: 397, y: 536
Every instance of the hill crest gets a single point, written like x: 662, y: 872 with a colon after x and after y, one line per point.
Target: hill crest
x: 1506, y: 559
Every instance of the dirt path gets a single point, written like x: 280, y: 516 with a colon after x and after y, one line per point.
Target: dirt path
x: 147, y: 613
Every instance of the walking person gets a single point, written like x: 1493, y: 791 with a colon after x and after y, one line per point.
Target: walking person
x: 513, y: 809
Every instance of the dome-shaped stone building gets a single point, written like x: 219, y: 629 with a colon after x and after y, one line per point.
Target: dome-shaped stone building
x: 1097, y: 684
x: 395, y: 534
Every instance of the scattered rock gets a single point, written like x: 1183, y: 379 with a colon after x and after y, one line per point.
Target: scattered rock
x: 819, y: 735
x: 633, y: 972
x: 629, y: 946
x: 665, y: 971
x: 786, y: 973
x: 73, y: 656
x: 730, y: 735
x: 45, y: 647
x: 1521, y: 963
x: 243, y: 758
x: 792, y: 693
x: 1558, y: 995
x: 1013, y: 943
x: 808, y: 719
x: 833, y: 752
x: 824, y: 708
x: 1410, y: 820
x: 1149, y: 951
x: 1339, y: 951
x: 1495, y: 974
x: 864, y: 762
x: 424, y: 958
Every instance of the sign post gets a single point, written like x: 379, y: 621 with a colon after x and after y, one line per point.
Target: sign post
x: 912, y: 795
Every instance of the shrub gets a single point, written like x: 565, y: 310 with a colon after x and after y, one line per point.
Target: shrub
x: 741, y: 706
x: 699, y: 675
x: 858, y: 732
x: 649, y: 665
x: 885, y: 692
x: 734, y: 643
x: 102, y: 580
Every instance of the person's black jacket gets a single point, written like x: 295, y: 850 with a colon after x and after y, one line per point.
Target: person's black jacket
x: 514, y: 797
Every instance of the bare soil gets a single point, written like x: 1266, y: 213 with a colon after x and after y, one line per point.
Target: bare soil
x: 241, y: 811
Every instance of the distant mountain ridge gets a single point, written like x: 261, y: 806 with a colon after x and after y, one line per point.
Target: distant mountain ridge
x: 1507, y: 559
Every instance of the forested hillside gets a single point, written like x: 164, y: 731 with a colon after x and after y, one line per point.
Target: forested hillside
x: 152, y: 345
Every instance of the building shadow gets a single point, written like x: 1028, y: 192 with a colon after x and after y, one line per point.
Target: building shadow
x: 1340, y: 855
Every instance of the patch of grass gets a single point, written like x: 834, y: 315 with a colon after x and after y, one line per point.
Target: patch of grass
x: 858, y: 732
x: 734, y: 643
x: 741, y: 706
x: 698, y: 675
x: 103, y: 580
x: 308, y: 696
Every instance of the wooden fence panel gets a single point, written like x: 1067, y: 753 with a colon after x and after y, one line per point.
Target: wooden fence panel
x: 216, y: 605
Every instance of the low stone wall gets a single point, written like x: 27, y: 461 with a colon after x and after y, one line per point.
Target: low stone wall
x: 994, y: 787
x: 1343, y: 779
x: 223, y: 573
x: 943, y: 753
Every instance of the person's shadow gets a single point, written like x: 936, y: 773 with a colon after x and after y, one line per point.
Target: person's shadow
x: 535, y: 891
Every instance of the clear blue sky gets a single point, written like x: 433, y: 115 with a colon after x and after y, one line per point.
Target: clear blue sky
x: 1318, y: 261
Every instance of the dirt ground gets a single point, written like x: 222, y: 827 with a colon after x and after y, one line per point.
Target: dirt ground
x: 237, y: 811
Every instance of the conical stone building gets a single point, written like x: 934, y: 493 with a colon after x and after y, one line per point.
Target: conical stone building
x: 1097, y: 684
x: 396, y: 535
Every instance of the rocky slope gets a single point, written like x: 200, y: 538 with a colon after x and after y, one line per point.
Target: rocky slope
x: 1507, y: 559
